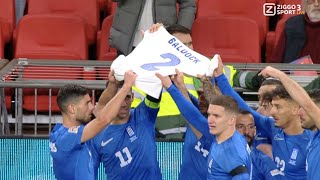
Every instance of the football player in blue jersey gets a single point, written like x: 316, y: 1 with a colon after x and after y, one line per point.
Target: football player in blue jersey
x: 245, y: 126
x: 313, y: 113
x: 127, y: 146
x: 283, y: 128
x: 306, y: 120
x: 229, y: 154
x: 196, y: 145
x: 263, y: 167
x: 70, y: 141
x: 264, y: 108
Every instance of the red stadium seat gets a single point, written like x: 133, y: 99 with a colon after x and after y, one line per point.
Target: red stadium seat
x: 1, y: 44
x: 273, y: 41
x: 227, y: 36
x: 44, y: 73
x: 112, y: 6
x: 104, y: 51
x: 51, y: 37
x: 252, y: 9
x: 7, y: 19
x: 56, y: 73
x: 86, y: 9
x: 102, y: 5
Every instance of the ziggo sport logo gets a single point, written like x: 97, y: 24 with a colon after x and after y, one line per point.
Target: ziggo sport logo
x: 271, y: 9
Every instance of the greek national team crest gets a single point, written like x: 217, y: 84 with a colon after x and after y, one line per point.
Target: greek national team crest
x: 130, y: 132
x: 293, y: 157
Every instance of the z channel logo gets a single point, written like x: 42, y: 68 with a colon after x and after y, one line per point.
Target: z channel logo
x: 269, y: 9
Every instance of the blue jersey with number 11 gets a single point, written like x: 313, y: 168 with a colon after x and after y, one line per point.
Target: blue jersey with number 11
x: 128, y: 151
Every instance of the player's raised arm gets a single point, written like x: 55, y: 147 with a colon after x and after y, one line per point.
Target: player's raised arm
x: 110, y: 110
x: 179, y: 83
x: 187, y: 109
x: 107, y: 94
x: 261, y: 121
x: 296, y: 92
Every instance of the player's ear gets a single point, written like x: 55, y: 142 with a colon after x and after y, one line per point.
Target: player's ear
x: 295, y: 108
x: 232, y: 120
x: 71, y: 108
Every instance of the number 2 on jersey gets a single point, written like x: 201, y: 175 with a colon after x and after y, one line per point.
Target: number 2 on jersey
x: 174, y: 60
x: 121, y: 158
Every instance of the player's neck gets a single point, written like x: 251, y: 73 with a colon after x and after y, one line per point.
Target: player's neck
x: 70, y: 122
x: 293, y: 128
x: 225, y: 135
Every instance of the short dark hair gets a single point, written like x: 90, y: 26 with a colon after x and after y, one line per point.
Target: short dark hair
x: 176, y: 28
x: 281, y: 92
x: 266, y: 97
x: 244, y: 112
x: 227, y: 102
x: 314, y: 95
x: 70, y: 93
x: 271, y: 82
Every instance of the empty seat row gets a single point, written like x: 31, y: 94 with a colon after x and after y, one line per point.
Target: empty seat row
x: 87, y: 11
x: 63, y: 37
x: 244, y: 8
x: 7, y: 19
x: 51, y: 36
x: 236, y: 39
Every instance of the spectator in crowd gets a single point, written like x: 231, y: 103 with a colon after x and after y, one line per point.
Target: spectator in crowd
x: 283, y: 128
x: 301, y: 35
x: 70, y: 142
x: 132, y: 17
x: 313, y: 112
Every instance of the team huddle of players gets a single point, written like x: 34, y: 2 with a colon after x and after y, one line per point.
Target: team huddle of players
x: 225, y: 138
x: 220, y: 142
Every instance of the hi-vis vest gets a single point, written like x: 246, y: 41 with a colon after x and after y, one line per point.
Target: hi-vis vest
x: 167, y: 105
